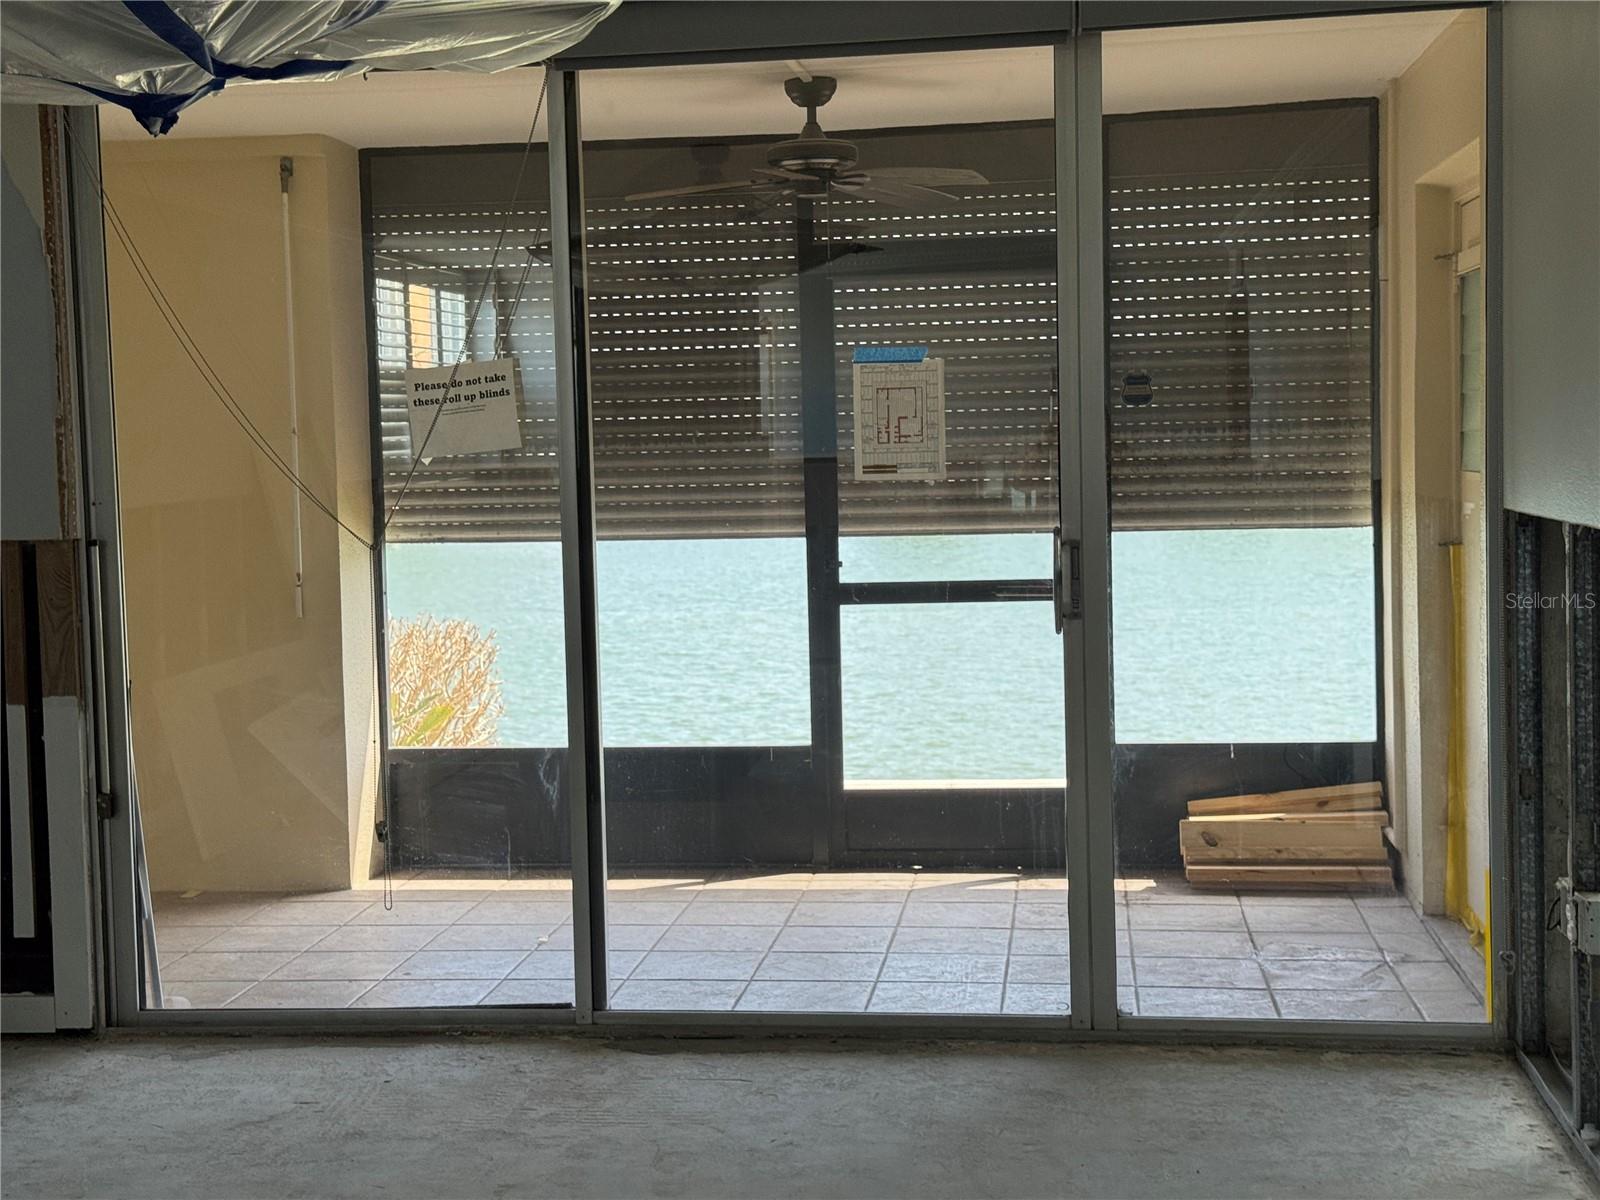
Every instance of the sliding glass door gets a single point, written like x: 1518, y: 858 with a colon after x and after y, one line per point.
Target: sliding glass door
x: 822, y: 307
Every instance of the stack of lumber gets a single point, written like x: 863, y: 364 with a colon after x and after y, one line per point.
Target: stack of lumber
x: 1314, y: 837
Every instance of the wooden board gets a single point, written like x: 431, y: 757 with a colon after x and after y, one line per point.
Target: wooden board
x: 1321, y: 875
x: 1371, y: 816
x: 1280, y: 838
x: 1344, y: 797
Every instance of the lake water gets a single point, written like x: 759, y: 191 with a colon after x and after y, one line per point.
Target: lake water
x: 1218, y: 635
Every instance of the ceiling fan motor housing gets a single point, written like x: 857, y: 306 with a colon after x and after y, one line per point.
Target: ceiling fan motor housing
x: 812, y: 153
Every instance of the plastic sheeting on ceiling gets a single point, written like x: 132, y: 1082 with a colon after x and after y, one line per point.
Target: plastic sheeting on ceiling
x: 155, y: 58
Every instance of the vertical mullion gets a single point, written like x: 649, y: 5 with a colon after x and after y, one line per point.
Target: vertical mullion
x: 819, y: 424
x: 584, y: 776
x: 1097, y: 735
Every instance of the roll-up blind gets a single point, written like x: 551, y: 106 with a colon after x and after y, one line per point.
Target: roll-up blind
x: 1240, y: 282
x: 1239, y: 276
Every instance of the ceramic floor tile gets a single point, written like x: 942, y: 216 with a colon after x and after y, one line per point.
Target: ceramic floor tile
x: 1318, y: 945
x: 558, y: 964
x: 851, y: 938
x: 726, y: 893
x: 201, y: 994
x: 717, y: 937
x: 347, y: 964
x: 262, y: 937
x: 500, y: 911
x: 307, y: 912
x: 545, y: 992
x: 1205, y: 917
x: 492, y: 937
x: 624, y: 911
x: 807, y: 996
x: 1304, y: 974
x: 944, y: 968
x: 436, y: 893
x: 1204, y: 1002
x: 1166, y: 943
x: 1167, y: 889
x: 852, y: 881
x: 1051, y: 915
x: 300, y: 993
x: 1037, y: 999
x: 955, y: 914
x: 203, y: 965
x: 940, y: 998
x: 697, y: 964
x: 407, y: 912
x: 203, y: 910
x: 1039, y: 968
x: 634, y: 937
x: 815, y: 912
x: 987, y: 888
x: 459, y: 964
x: 1409, y: 947
x: 882, y: 895
x: 1039, y: 941
x: 180, y: 939
x: 425, y: 993
x: 1450, y: 1004
x: 1393, y: 919
x: 380, y: 937
x: 1254, y: 900
x: 944, y: 940
x: 1305, y: 918
x: 1198, y: 973
x: 820, y: 966
x: 1428, y: 976
x: 675, y: 995
x: 747, y: 912
x: 1346, y: 1006
x: 547, y: 964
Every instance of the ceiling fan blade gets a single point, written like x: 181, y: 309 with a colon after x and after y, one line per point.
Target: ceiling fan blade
x: 901, y: 195
x: 702, y: 189
x: 934, y: 177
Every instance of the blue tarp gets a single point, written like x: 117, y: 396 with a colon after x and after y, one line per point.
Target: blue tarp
x: 156, y: 58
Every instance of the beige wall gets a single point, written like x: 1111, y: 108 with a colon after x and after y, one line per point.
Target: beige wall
x: 252, y: 724
x: 1432, y: 120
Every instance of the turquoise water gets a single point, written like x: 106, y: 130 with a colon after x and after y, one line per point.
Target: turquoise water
x: 1218, y: 636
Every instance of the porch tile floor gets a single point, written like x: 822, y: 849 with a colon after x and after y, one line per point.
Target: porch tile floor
x: 892, y: 942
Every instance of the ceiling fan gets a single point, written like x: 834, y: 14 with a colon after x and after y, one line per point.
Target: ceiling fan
x: 813, y: 166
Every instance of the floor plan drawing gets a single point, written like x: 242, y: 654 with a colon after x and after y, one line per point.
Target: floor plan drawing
x: 899, y: 410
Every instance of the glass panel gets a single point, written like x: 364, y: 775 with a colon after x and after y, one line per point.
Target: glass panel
x: 1471, y: 372
x: 734, y: 274
x: 922, y: 702
x: 257, y: 714
x: 1263, y: 795
x: 946, y: 556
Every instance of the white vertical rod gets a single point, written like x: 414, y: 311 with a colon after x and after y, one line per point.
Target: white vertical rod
x: 285, y: 170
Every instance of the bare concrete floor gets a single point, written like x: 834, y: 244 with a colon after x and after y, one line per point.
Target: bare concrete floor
x: 584, y: 1117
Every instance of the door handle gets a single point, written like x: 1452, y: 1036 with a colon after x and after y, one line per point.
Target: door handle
x: 1066, y: 578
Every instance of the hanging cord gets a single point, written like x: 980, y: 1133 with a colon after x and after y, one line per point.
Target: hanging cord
x: 477, y: 308
x: 219, y: 390
x: 192, y: 351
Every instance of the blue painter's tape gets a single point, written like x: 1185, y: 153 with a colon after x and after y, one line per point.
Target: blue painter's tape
x: 890, y: 354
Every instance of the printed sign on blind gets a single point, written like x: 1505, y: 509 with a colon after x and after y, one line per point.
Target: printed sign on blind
x: 473, y: 412
x: 900, y: 419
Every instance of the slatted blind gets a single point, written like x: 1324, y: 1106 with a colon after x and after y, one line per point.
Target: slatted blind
x: 1239, y: 280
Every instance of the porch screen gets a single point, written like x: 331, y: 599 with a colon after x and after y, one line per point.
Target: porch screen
x: 1240, y: 283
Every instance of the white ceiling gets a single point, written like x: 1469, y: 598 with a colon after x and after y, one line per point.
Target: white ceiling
x: 1143, y: 70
